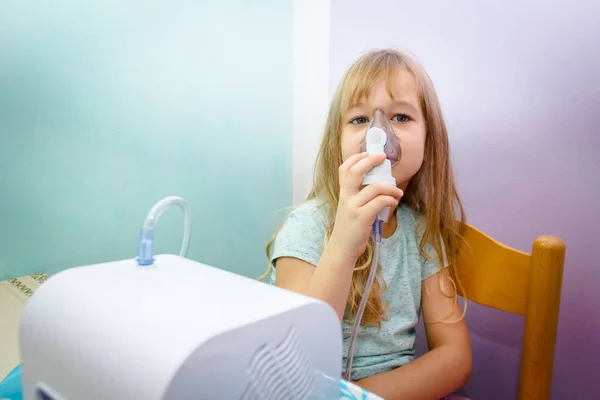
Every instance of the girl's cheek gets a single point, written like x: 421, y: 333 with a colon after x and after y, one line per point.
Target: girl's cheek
x: 350, y: 148
x: 408, y: 166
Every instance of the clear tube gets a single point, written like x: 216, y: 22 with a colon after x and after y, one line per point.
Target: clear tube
x: 363, y: 302
x: 146, y: 241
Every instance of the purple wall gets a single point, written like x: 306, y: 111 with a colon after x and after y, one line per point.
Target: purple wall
x: 520, y: 87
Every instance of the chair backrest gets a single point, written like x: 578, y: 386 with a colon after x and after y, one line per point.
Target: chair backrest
x: 506, y: 279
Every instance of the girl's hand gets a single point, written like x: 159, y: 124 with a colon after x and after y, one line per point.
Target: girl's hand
x: 357, y: 209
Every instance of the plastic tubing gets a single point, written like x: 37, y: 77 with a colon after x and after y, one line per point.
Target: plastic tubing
x: 363, y: 302
x: 146, y: 241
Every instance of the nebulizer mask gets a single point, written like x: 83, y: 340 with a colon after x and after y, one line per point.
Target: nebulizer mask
x: 379, y: 138
x: 373, y: 138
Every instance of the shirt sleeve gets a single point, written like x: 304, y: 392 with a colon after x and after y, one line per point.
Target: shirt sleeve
x: 301, y: 236
x: 432, y: 266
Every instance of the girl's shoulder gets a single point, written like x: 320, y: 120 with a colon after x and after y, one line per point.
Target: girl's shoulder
x: 302, y: 233
x: 313, y: 212
x: 305, y: 222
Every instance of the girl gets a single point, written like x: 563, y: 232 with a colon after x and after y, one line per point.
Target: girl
x: 324, y: 250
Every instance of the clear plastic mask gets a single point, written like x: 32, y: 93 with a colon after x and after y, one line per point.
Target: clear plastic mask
x: 391, y: 147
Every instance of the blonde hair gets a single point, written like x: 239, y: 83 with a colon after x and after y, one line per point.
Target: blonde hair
x: 431, y: 193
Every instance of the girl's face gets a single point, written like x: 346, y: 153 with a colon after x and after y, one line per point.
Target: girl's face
x: 406, y: 117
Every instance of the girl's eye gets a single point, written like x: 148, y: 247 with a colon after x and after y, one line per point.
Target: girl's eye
x: 401, y: 118
x: 359, y: 120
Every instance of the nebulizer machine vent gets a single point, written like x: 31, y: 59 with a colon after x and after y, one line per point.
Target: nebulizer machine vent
x: 379, y: 138
x: 165, y: 327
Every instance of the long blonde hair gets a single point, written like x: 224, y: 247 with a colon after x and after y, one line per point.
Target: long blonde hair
x: 431, y: 193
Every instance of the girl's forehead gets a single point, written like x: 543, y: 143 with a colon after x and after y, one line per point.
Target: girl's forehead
x: 400, y: 85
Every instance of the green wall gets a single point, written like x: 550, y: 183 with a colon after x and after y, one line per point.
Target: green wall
x: 107, y: 107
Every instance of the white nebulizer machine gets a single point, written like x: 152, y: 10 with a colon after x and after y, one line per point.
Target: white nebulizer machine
x: 168, y: 328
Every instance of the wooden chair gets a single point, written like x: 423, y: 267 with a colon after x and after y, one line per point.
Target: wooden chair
x: 499, y: 277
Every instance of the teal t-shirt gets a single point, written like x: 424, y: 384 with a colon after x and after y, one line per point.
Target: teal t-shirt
x: 402, y: 268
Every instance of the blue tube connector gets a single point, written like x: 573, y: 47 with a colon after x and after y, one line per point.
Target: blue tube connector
x: 146, y: 247
x: 377, y: 229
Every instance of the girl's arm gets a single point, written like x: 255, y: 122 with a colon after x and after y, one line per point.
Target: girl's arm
x: 447, y: 366
x: 329, y: 282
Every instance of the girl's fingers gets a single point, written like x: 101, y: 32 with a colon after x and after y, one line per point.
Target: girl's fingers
x: 377, y: 189
x: 373, y: 207
x: 352, y: 171
x: 366, y: 164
